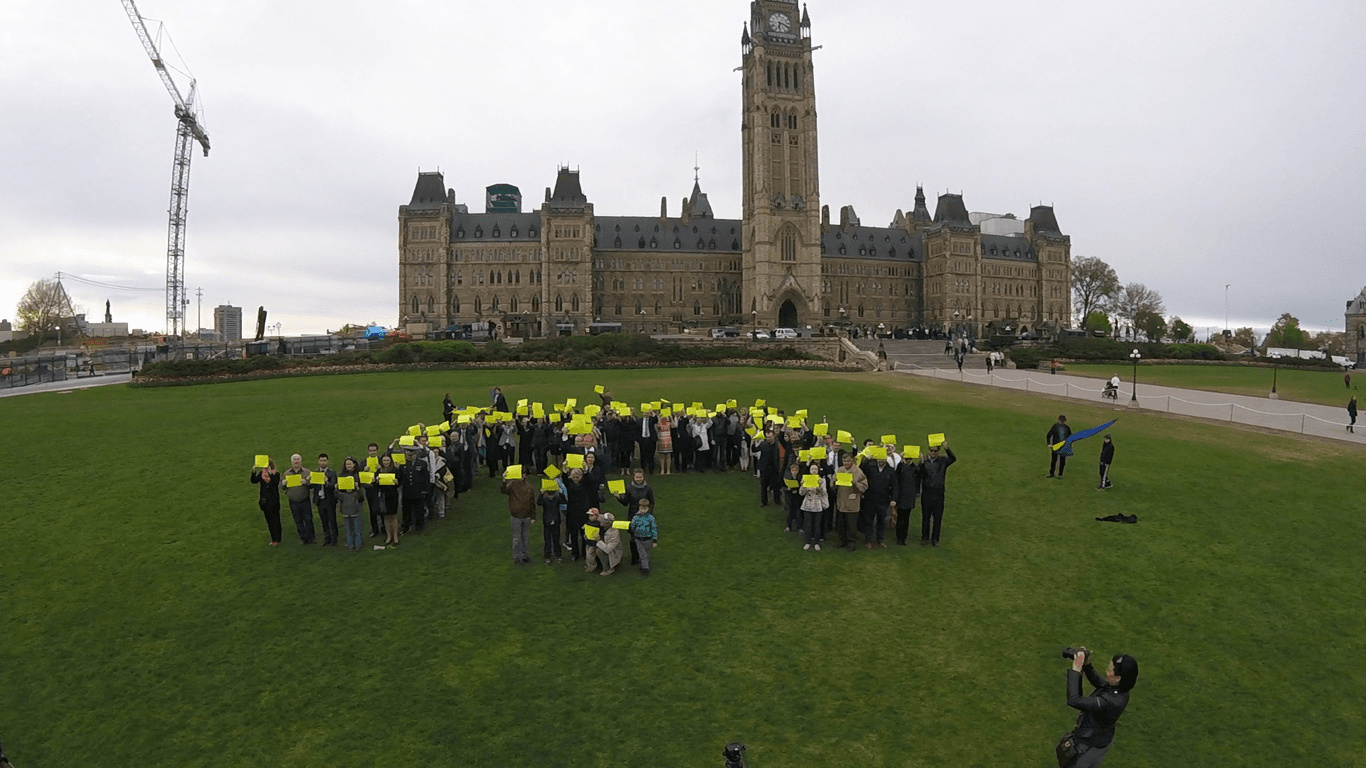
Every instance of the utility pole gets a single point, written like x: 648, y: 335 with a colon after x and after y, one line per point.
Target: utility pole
x: 199, y: 294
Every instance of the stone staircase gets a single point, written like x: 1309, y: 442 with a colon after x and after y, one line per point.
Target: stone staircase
x: 921, y: 353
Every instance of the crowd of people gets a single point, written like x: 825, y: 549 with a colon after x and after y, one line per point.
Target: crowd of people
x: 562, y: 465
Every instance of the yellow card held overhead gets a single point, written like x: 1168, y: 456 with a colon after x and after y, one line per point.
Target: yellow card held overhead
x: 696, y: 406
x: 889, y: 439
x: 522, y: 403
x: 590, y: 532
x: 789, y: 482
x: 574, y: 461
x: 592, y: 410
x: 811, y: 481
x: 551, y: 471
x: 549, y: 485
x: 387, y: 478
x: 346, y: 483
x: 415, y: 430
x: 821, y: 430
x: 437, y: 442
x: 434, y: 431
x: 463, y: 418
x: 554, y: 418
x: 751, y: 431
x: 803, y: 456
x: 844, y: 479
x: 513, y: 472
x: 878, y: 452
x: 559, y: 407
x: 644, y: 407
x: 801, y: 414
x: 794, y: 422
x: 599, y: 389
x: 656, y: 405
x: 760, y: 403
x: 910, y: 451
x: 571, y: 402
x: 936, y: 439
x: 262, y: 461
x: 522, y: 410
x: 844, y: 437
x: 666, y: 412
x: 819, y: 453
x: 367, y: 478
x: 294, y: 481
x: 407, y: 440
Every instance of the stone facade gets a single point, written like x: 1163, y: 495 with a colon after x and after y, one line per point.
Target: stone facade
x: 560, y: 268
x: 1355, y: 326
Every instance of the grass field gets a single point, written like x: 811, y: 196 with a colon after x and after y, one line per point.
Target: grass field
x: 1306, y: 386
x: 146, y: 622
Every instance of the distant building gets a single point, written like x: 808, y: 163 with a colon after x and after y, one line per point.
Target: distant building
x: 785, y: 262
x: 106, y: 330
x: 1355, y: 326
x: 227, y: 321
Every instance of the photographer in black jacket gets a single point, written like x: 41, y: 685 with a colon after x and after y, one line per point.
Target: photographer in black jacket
x: 1095, y: 729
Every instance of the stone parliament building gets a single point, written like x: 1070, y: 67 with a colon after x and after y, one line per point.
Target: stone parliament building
x: 784, y: 263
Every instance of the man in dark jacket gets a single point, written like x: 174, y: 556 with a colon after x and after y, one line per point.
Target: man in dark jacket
x: 1058, y: 433
x: 1107, y: 455
x: 877, y: 500
x: 647, y: 435
x: 770, y: 477
x: 907, y: 489
x: 1095, y: 728
x: 933, y: 474
x: 323, y: 483
x: 417, y: 481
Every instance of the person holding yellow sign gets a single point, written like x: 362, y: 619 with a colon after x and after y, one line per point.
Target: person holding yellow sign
x: 269, y: 480
x: 813, y: 504
x: 933, y: 475
x: 581, y: 495
x: 351, y: 501
x: 907, y: 490
x: 386, y: 481
x: 850, y: 485
x: 606, y: 550
x: 521, y: 493
x: 300, y: 502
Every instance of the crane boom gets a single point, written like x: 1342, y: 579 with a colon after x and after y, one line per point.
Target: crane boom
x: 188, y: 131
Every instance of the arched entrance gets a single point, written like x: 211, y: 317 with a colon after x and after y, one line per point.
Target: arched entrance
x: 787, y: 315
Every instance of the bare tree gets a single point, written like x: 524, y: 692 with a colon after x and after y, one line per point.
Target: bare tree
x: 1094, y: 285
x: 42, y: 307
x: 1137, y: 299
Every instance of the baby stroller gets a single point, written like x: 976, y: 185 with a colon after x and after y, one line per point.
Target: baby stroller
x: 1110, y: 391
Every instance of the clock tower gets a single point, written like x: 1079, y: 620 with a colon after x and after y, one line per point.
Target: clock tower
x: 781, y: 196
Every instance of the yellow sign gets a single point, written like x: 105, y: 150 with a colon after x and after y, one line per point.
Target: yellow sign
x: 386, y: 478
x: 580, y: 427
x: 821, y: 430
x: 262, y: 461
x: 372, y: 463
x: 878, y: 452
x: 415, y: 430
x: 910, y: 451
x: 317, y: 478
x: 367, y: 478
x: 559, y: 407
x: 599, y: 389
x: 434, y: 431
x: 346, y: 483
x: 732, y: 404
x: 574, y: 461
x: 551, y: 472
x: 775, y: 419
x: 666, y: 412
x: 463, y: 418
x: 438, y: 442
x: 889, y: 439
x: 445, y: 426
x: 522, y: 410
x: 794, y: 422
x: 844, y: 479
x: 571, y: 402
x: 590, y: 532
x: 818, y: 454
x: 399, y: 458
x: 549, y: 485
x: 760, y: 403
x: 789, y: 482
x: 538, y: 411
x: 293, y: 481
x: 803, y: 456
x: 522, y: 403
x: 616, y: 487
x: 751, y: 431
x: 407, y: 440
x: 644, y: 407
x: 721, y: 407
x: 936, y: 439
x: 513, y: 473
x: 621, y: 525
x: 592, y: 410
x: 844, y: 437
x: 697, y: 406
x: 554, y: 418
x: 811, y: 481
x: 801, y: 414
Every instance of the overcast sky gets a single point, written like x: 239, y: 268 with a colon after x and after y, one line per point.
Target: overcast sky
x: 1189, y: 145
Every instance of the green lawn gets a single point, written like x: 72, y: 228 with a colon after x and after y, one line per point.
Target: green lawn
x: 1306, y: 386
x: 147, y: 624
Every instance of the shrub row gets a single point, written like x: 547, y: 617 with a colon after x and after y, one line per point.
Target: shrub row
x: 567, y: 352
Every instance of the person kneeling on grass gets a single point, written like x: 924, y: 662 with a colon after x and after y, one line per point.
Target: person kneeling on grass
x: 607, y: 549
x: 645, y: 533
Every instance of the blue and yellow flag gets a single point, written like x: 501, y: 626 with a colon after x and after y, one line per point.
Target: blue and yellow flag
x: 1066, y: 446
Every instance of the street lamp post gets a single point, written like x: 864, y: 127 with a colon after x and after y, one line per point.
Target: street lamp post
x: 1275, y: 365
x: 1133, y: 399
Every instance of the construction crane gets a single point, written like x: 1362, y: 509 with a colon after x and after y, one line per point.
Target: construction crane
x: 189, y: 130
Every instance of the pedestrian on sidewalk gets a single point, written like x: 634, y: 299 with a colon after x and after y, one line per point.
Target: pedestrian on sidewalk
x: 1352, y: 412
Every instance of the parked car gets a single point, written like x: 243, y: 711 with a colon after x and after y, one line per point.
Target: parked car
x: 725, y: 332
x: 757, y: 335
x: 785, y: 333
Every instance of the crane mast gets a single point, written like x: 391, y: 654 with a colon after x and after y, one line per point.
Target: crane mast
x: 188, y: 131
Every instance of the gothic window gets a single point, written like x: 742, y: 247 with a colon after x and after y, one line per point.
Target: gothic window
x: 414, y: 304
x: 559, y: 303
x: 657, y: 307
x: 455, y: 305
x: 574, y: 302
x: 512, y: 304
x: 431, y: 305
x: 860, y: 310
x: 773, y: 120
x: 826, y: 307
x: 770, y: 74
x: 696, y: 307
x: 618, y: 308
x: 495, y: 304
x: 787, y: 76
x: 638, y: 309
x: 535, y: 303
x: 478, y: 305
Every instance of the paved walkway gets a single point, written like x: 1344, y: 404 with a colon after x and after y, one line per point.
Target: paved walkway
x: 1284, y: 415
x: 68, y: 385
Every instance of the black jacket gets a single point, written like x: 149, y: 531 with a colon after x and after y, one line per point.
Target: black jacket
x: 907, y: 484
x: 1099, y: 711
x: 881, y: 485
x: 1107, y: 452
x: 1058, y: 433
x: 768, y: 457
x: 934, y: 471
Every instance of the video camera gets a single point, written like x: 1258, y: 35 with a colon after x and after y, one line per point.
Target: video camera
x: 1071, y: 653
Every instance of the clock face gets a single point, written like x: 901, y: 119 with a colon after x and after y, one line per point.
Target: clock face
x: 779, y: 22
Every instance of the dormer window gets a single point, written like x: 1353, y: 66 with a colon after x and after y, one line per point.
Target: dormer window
x: 460, y: 233
x: 512, y: 232
x: 478, y: 231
